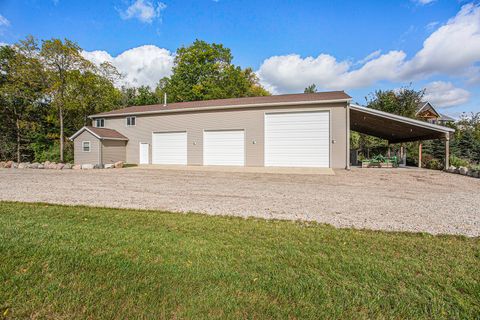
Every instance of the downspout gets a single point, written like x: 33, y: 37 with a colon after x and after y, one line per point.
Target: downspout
x: 100, y: 153
x: 347, y: 158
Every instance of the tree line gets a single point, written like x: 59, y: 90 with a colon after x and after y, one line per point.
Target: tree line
x: 48, y: 90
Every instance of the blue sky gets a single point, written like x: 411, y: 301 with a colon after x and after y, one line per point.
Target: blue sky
x: 357, y: 46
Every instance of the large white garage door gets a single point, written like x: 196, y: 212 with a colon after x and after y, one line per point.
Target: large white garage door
x: 224, y: 147
x: 169, y: 148
x: 297, y: 139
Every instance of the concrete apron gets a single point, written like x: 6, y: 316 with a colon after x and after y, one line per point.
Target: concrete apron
x: 239, y: 169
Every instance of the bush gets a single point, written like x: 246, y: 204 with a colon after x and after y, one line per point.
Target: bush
x: 52, y: 153
x: 458, y: 162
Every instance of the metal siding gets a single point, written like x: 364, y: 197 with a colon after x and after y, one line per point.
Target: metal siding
x: 169, y: 148
x: 224, y: 147
x: 81, y: 157
x: 251, y: 120
x: 299, y: 139
x: 144, y: 153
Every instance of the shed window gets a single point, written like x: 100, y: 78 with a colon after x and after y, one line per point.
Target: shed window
x: 86, y: 146
x: 131, y: 121
x: 99, y: 123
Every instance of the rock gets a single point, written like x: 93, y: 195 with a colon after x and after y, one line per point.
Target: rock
x: 34, y: 165
x: 8, y: 164
x: 470, y: 173
x: 14, y: 165
x: 87, y: 166
x: 77, y: 167
x: 109, y: 166
x: 67, y: 166
x: 452, y: 169
x: 52, y: 165
x: 22, y: 165
x: 2, y: 164
x: 60, y: 166
x: 98, y: 166
x: 118, y: 164
x: 46, y: 164
x: 463, y: 170
x: 41, y: 166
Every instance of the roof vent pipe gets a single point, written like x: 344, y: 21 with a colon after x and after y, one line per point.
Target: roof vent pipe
x: 165, y: 99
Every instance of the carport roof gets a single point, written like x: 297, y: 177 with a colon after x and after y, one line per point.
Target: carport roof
x: 392, y: 127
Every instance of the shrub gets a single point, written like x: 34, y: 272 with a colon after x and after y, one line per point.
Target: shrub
x: 52, y: 153
x: 458, y: 162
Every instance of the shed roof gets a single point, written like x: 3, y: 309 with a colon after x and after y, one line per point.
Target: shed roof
x: 101, y: 133
x: 392, y: 127
x: 284, y: 99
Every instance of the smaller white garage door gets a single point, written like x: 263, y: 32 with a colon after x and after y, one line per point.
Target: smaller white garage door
x: 224, y: 147
x: 169, y: 148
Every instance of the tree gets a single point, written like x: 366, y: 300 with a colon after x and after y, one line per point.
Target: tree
x: 22, y: 87
x: 310, y: 89
x: 403, y: 102
x: 60, y: 58
x: 205, y: 71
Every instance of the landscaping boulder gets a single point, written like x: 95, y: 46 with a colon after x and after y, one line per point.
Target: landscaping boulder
x: 23, y: 165
x: 41, y: 166
x: 60, y: 166
x: 46, y: 164
x: 52, y: 165
x: 34, y: 165
x: 77, y: 167
x: 452, y: 169
x: 119, y: 164
x: 109, y: 166
x: 14, y: 165
x: 8, y: 164
x: 463, y: 170
x: 87, y: 166
x: 67, y: 166
x: 2, y: 164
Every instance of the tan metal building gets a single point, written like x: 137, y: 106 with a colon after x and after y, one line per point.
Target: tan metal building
x: 294, y: 130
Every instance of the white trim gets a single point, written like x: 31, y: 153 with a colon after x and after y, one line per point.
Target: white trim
x: 140, y: 152
x: 130, y: 125
x: 438, y: 114
x: 238, y: 106
x: 89, y: 146
x: 392, y: 116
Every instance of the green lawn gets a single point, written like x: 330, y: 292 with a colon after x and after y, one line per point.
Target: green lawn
x: 78, y: 262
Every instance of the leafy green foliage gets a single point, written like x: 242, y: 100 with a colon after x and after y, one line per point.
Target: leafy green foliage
x: 310, y: 89
x: 91, y: 263
x: 403, y: 102
x: 205, y: 71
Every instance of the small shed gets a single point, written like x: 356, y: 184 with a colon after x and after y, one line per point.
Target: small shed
x: 98, y: 146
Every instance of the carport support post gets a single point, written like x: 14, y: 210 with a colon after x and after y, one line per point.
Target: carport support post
x: 447, y: 151
x: 347, y: 164
x: 420, y: 155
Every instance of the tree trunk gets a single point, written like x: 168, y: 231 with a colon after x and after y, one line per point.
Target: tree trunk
x: 60, y: 115
x: 17, y: 127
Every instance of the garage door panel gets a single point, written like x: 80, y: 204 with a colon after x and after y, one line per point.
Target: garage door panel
x: 169, y: 148
x: 299, y: 139
x: 224, y: 147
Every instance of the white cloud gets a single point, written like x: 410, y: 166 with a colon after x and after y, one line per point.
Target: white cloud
x: 432, y: 25
x: 4, y: 21
x: 424, y: 2
x: 371, y: 56
x: 451, y: 50
x: 143, y: 65
x: 445, y: 94
x: 144, y: 10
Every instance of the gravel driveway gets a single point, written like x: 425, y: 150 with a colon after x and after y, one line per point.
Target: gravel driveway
x: 384, y: 199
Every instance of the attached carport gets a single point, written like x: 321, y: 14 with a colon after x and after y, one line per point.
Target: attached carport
x: 397, y: 129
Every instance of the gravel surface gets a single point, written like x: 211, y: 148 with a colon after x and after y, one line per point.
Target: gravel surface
x: 381, y: 199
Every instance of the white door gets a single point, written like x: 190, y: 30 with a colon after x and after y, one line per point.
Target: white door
x: 169, y: 148
x: 297, y: 139
x: 144, y: 153
x: 224, y: 147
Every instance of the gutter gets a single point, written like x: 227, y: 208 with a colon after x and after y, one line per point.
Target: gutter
x: 238, y: 106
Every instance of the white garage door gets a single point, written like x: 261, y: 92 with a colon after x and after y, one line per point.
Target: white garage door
x: 224, y: 147
x: 298, y: 139
x: 169, y: 148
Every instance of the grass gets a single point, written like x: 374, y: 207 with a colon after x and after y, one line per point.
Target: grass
x: 80, y: 262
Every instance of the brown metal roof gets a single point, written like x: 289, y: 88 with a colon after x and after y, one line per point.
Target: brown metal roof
x: 285, y: 98
x: 105, y: 133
